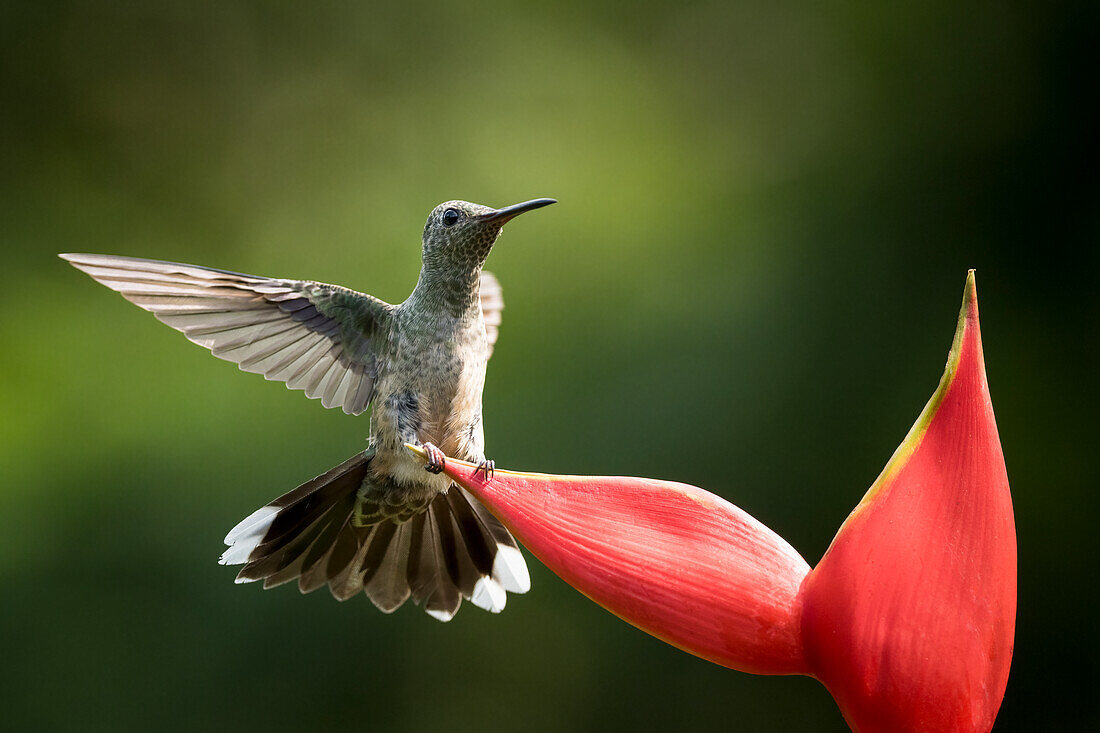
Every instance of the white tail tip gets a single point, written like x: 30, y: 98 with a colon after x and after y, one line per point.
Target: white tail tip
x: 510, y: 570
x: 489, y: 595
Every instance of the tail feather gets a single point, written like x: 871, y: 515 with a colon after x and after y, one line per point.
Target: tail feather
x: 454, y: 549
x: 348, y: 582
x: 433, y: 587
x: 282, y: 576
x: 296, y: 557
x: 477, y: 539
x: 269, y: 539
x: 460, y: 565
x: 254, y: 525
x: 337, y: 486
x: 509, y: 568
x: 345, y: 548
x: 315, y: 573
x: 482, y: 547
x: 314, y: 568
x: 289, y: 550
x: 389, y: 588
x: 384, y: 534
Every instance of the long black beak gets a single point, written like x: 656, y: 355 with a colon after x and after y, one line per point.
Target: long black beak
x: 511, y: 212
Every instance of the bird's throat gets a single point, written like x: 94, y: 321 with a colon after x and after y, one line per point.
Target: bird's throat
x: 451, y: 291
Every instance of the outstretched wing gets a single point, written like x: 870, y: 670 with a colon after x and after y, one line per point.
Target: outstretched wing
x: 492, y: 303
x: 315, y: 337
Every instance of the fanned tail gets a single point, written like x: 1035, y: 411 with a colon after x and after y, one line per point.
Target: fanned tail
x: 455, y: 549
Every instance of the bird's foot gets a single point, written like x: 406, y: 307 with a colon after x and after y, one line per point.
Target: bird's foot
x: 436, y: 460
x: 488, y: 468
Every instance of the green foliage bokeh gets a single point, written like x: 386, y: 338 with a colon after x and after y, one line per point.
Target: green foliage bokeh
x: 750, y: 284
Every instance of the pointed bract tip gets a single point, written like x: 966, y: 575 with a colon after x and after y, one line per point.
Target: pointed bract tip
x: 968, y: 316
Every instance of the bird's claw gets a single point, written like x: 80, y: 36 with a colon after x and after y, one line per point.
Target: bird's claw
x: 437, y: 461
x: 488, y: 468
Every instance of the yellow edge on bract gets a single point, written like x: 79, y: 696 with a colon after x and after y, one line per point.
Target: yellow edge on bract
x: 920, y: 427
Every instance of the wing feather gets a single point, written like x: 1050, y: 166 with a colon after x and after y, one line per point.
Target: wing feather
x: 316, y: 337
x: 492, y: 303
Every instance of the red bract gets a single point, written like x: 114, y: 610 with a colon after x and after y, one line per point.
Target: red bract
x: 909, y: 618
x: 674, y: 560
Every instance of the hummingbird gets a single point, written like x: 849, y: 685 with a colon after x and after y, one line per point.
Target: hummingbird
x: 381, y: 522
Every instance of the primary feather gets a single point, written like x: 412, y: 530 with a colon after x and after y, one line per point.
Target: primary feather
x: 313, y: 336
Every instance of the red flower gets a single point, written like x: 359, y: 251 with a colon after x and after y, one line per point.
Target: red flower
x: 909, y: 618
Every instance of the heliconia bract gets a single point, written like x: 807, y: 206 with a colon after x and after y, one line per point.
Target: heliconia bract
x: 908, y: 619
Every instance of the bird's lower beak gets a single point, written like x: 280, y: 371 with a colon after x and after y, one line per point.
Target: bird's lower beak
x: 511, y: 212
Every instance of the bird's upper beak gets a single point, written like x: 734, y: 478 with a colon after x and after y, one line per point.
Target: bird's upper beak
x: 510, y: 212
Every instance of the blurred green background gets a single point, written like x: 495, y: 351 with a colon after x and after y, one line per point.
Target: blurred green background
x: 750, y: 284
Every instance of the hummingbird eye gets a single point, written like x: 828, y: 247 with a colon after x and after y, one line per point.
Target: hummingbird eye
x: 450, y: 217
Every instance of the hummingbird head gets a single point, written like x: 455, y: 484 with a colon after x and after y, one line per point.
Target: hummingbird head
x: 459, y: 235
